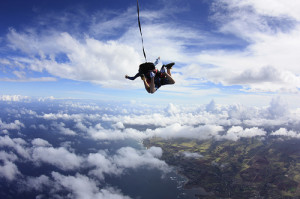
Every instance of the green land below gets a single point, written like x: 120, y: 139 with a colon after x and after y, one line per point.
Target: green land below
x: 247, y: 168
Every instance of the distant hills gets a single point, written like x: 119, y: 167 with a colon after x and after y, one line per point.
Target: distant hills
x: 247, y: 168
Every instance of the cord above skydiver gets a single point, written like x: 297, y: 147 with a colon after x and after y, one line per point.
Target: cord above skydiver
x: 153, y: 79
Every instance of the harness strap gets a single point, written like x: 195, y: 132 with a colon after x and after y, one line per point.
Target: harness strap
x: 139, y: 22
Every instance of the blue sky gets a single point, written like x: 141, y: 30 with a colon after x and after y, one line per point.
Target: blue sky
x: 230, y: 51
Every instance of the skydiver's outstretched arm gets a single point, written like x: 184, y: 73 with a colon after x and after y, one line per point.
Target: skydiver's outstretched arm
x: 147, y: 87
x: 132, y: 78
x: 152, y: 86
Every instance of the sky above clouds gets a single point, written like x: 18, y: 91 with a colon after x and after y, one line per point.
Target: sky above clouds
x: 230, y: 51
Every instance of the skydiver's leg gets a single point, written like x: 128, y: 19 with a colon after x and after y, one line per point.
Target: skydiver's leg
x: 169, y: 67
x: 168, y: 73
x: 169, y: 77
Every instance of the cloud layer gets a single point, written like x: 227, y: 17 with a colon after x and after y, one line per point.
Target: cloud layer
x: 35, y: 135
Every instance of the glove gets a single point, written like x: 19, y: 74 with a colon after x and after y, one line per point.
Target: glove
x: 163, y: 70
x: 152, y: 74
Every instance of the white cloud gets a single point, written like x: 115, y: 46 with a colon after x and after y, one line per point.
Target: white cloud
x: 270, y: 62
x: 16, y: 125
x: 60, y: 127
x: 13, y: 98
x: 103, y: 165
x: 76, y: 117
x: 40, y: 142
x: 8, y: 156
x: 237, y: 132
x: 9, y: 170
x: 38, y: 183
x: 267, y: 79
x: 286, y: 133
x: 17, y: 144
x: 118, y: 125
x: 208, y: 121
x: 278, y: 108
x: 181, y: 131
x: 88, y: 60
x: 97, y: 132
x: 43, y: 127
x: 81, y: 186
x: 128, y: 157
x: 31, y: 79
x: 211, y: 121
x: 276, y: 8
x: 188, y: 154
x: 59, y: 157
x: 171, y: 109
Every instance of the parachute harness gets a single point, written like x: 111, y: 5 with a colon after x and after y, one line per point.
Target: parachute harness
x: 139, y: 22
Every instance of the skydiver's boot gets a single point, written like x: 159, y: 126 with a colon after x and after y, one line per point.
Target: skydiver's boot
x: 170, y: 65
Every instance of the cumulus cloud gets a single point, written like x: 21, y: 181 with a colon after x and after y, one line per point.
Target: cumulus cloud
x: 13, y: 98
x: 60, y: 127
x: 128, y: 157
x: 98, y: 132
x: 59, y: 157
x: 88, y: 60
x: 37, y: 183
x: 17, y: 144
x: 8, y: 169
x: 117, y: 123
x: 286, y: 133
x: 182, y: 131
x: 103, y: 163
x: 16, y: 125
x: 40, y: 142
x: 268, y: 61
x: 208, y: 121
x: 64, y: 116
x: 278, y: 108
x: 188, y: 154
x: 171, y: 109
x: 237, y: 132
x: 81, y: 186
x: 28, y: 79
x: 98, y: 164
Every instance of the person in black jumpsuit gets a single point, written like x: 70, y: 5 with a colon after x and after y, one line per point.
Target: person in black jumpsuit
x: 152, y: 78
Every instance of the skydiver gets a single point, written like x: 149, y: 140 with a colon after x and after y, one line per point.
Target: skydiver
x: 152, y: 78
